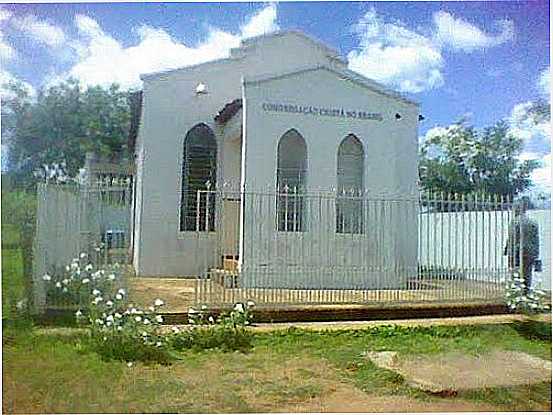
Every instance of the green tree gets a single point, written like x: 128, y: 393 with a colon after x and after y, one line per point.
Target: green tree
x: 60, y: 125
x: 466, y: 161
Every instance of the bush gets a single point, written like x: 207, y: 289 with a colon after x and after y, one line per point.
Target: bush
x: 228, y: 332
x: 116, y: 329
x: 75, y: 284
x: 523, y: 300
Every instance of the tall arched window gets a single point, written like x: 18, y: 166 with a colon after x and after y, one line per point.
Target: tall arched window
x: 350, y: 172
x: 199, y: 172
x: 291, y: 174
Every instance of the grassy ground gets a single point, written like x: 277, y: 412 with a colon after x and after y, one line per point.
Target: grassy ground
x: 12, y: 269
x: 292, y: 370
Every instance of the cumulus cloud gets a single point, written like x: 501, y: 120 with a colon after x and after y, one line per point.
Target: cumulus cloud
x: 40, y: 30
x: 458, y: 34
x: 412, y: 61
x: 263, y: 22
x: 103, y: 60
x: 534, y: 131
x: 396, y: 56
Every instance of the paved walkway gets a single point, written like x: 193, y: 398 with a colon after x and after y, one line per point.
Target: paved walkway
x: 417, y: 322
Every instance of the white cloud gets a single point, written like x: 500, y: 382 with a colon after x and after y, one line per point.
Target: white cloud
x: 7, y: 52
x: 5, y: 78
x: 4, y: 14
x: 412, y: 61
x: 459, y: 34
x: 536, y: 133
x: 261, y: 23
x: 103, y: 60
x: 544, y: 82
x: 396, y: 56
x: 40, y: 30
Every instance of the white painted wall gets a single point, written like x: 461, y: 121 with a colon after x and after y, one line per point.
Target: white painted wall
x: 390, y: 171
x: 171, y: 108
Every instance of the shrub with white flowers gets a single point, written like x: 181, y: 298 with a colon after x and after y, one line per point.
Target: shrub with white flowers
x: 117, y: 329
x: 226, y: 331
x: 521, y: 300
x: 75, y: 283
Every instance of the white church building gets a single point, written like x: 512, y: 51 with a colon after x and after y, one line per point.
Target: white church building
x: 270, y: 159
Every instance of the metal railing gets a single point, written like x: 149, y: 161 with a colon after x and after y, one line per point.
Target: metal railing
x: 355, y: 247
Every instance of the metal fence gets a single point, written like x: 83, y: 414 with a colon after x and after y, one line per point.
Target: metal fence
x: 74, y: 219
x: 326, y: 248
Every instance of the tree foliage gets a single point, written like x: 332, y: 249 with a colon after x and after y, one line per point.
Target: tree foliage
x: 466, y: 161
x: 60, y: 124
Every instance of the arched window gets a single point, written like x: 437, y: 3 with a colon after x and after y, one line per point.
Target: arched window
x: 291, y: 172
x: 350, y: 171
x: 199, y: 172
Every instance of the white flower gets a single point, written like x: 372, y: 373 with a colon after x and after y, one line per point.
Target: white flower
x: 20, y: 304
x: 158, y: 302
x: 96, y: 292
x: 211, y: 319
x: 67, y: 268
x: 75, y: 265
x: 97, y: 249
x: 137, y: 319
x: 133, y: 311
x: 78, y: 313
x: 58, y: 284
x: 146, y: 321
x: 46, y: 277
x: 97, y: 300
x: 119, y: 328
x: 65, y: 281
x: 83, y: 255
x: 111, y: 277
x: 121, y: 291
x: 118, y: 296
x: 158, y: 344
x: 65, y: 289
x: 109, y: 318
x: 175, y: 329
x: 250, y: 304
x: 117, y: 315
x: 129, y: 364
x: 109, y: 303
x: 190, y: 321
x: 239, y: 307
x: 109, y: 323
x: 159, y: 319
x: 98, y: 321
x: 191, y: 311
x: 86, y: 281
x: 204, y: 307
x: 151, y: 308
x: 88, y: 267
x: 144, y: 334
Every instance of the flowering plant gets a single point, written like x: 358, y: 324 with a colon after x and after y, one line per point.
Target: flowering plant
x: 525, y: 300
x: 117, y: 329
x: 227, y: 331
x: 74, y: 284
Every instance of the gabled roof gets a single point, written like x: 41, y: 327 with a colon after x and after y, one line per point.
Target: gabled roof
x: 345, y: 74
x: 331, y: 52
x: 248, y: 43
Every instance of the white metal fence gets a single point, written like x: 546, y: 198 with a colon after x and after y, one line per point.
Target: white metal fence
x: 72, y: 219
x: 321, y: 248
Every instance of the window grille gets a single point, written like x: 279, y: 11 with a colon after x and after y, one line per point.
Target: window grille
x: 199, y: 172
x: 291, y: 173
x: 349, y: 200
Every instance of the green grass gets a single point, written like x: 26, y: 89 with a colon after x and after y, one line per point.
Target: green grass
x: 13, y: 286
x: 54, y: 372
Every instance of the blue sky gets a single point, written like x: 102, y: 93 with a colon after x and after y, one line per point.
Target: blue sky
x: 482, y: 60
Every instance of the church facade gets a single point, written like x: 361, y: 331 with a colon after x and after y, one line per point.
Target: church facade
x: 245, y: 158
